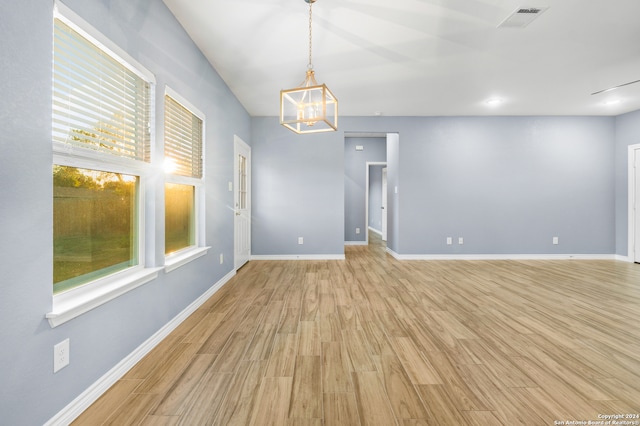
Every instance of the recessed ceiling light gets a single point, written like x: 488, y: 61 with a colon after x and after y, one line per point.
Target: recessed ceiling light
x: 494, y: 101
x: 377, y: 113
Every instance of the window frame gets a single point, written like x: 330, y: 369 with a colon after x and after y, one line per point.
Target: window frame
x: 74, y: 302
x: 183, y: 256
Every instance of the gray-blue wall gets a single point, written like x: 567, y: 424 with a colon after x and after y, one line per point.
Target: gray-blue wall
x: 627, y: 133
x: 30, y: 393
x: 355, y: 182
x: 375, y: 197
x: 507, y: 185
x: 297, y: 191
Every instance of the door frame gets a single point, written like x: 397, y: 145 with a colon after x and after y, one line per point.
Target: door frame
x: 632, y: 151
x: 238, y: 145
x: 366, y: 196
x: 385, y: 204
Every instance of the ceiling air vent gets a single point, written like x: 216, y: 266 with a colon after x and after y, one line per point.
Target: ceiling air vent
x: 522, y: 16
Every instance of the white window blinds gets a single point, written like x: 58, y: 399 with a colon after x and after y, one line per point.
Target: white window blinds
x: 182, y: 139
x: 98, y: 103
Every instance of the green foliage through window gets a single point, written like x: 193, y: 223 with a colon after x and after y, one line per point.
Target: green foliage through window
x: 94, y: 225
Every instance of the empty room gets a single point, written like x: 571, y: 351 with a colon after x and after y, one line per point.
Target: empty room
x: 320, y: 212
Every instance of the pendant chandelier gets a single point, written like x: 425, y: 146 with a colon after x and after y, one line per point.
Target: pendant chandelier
x: 311, y: 107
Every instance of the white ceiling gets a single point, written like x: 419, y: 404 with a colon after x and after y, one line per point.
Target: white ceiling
x: 425, y: 57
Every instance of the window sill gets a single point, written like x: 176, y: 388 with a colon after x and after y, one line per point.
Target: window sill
x: 69, y: 305
x: 180, y: 258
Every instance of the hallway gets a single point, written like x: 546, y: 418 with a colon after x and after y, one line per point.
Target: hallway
x: 376, y: 341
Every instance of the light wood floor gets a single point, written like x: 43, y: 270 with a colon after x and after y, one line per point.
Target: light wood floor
x: 375, y: 341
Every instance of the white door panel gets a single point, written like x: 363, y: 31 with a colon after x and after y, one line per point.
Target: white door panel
x: 242, y: 203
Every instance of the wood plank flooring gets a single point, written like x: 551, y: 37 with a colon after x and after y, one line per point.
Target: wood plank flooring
x: 375, y: 341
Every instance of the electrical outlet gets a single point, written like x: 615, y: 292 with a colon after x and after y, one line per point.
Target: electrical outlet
x: 300, y: 240
x: 460, y: 240
x: 357, y: 231
x: 221, y: 258
x: 60, y: 355
x: 555, y: 241
x: 449, y: 241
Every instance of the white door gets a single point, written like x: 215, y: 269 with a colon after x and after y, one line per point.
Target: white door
x: 242, y: 202
x: 384, y: 204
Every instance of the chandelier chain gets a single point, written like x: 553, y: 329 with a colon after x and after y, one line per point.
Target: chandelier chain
x: 310, y: 65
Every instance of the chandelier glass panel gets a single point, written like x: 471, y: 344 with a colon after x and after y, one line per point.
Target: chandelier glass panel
x: 310, y: 107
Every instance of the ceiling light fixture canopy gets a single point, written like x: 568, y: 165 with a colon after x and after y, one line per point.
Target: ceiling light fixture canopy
x: 310, y: 107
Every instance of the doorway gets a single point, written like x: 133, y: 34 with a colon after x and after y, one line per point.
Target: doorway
x: 376, y: 199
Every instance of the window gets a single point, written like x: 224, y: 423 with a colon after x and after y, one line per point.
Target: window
x: 182, y: 139
x: 242, y: 182
x: 183, y: 159
x: 101, y: 120
x: 179, y: 203
x: 94, y: 228
x: 98, y: 103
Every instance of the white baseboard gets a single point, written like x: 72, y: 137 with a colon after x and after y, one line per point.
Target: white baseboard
x: 69, y: 413
x: 502, y: 256
x: 297, y: 257
x: 375, y: 231
x: 623, y: 258
x: 355, y: 243
x: 393, y: 253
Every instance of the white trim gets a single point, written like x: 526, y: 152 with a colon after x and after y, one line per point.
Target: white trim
x: 368, y: 164
x: 631, y: 201
x: 75, y: 302
x: 93, y: 392
x: 298, y: 257
x: 502, y: 256
x: 623, y: 258
x: 182, y: 257
x: 392, y: 253
x: 375, y: 231
x: 87, y: 158
x: 183, y: 180
x: 356, y: 243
